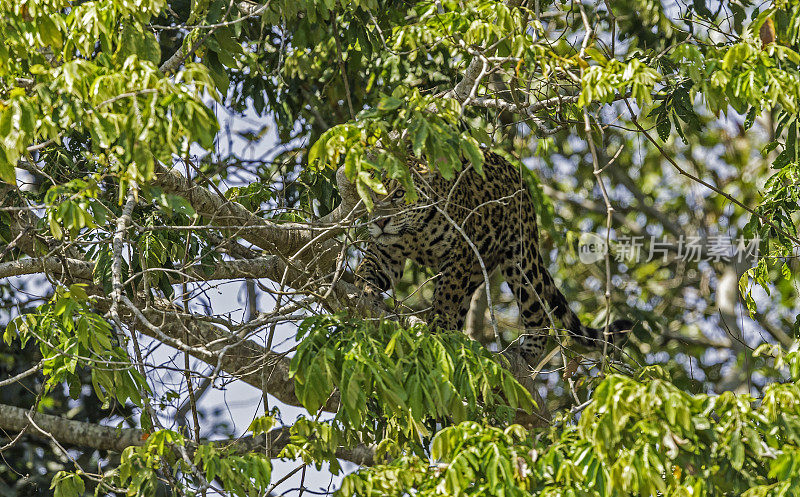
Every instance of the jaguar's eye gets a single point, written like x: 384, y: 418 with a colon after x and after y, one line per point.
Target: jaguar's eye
x: 398, y: 194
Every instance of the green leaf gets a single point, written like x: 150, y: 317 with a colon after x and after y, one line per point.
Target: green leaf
x: 678, y: 128
x: 67, y: 485
x: 373, y: 183
x: 664, y: 127
x: 217, y: 71
x: 783, y: 159
x: 471, y: 150
x: 439, y: 159
x: 7, y: 172
x: 419, y: 137
x: 389, y: 103
x: 317, y: 151
x: 224, y: 37
x: 136, y: 41
x: 786, y: 272
x: 55, y: 228
x: 737, y: 452
x: 262, y: 424
x: 48, y: 31
x: 510, y: 391
x: 10, y: 333
x: 596, y: 55
x: 750, y: 118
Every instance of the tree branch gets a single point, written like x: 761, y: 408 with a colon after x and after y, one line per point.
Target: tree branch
x: 268, y: 267
x: 52, y: 265
x: 69, y: 431
x: 284, y: 239
x: 80, y: 433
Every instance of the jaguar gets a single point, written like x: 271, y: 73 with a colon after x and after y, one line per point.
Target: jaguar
x: 464, y: 229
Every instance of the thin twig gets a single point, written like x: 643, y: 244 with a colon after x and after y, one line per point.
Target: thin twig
x: 22, y: 375
x: 587, y: 128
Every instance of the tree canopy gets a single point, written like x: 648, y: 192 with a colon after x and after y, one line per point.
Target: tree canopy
x: 160, y: 157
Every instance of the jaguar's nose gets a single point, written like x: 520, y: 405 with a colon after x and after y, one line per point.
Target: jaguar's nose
x: 381, y: 222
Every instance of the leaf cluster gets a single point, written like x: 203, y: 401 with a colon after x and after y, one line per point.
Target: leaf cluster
x: 377, y: 142
x: 636, y: 437
x: 397, y: 383
x: 141, y: 467
x: 71, y: 336
x: 93, y: 68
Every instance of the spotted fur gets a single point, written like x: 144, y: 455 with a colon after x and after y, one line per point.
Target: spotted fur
x: 497, y: 214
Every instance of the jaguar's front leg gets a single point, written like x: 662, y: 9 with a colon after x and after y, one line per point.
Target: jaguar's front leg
x: 455, y: 285
x: 379, y: 270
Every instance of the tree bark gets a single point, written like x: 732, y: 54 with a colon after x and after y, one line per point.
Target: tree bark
x: 79, y: 433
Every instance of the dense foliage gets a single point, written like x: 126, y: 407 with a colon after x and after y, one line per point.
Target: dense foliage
x: 155, y: 150
x: 638, y: 437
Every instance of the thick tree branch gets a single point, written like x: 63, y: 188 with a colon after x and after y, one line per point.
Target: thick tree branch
x: 304, y: 251
x: 289, y: 240
x: 261, y: 267
x: 15, y: 419
x: 51, y: 265
x: 236, y: 355
x: 530, y: 110
x: 285, y: 239
x: 351, y: 205
x: 83, y: 434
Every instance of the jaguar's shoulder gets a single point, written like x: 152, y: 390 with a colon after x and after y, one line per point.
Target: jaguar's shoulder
x: 498, y: 163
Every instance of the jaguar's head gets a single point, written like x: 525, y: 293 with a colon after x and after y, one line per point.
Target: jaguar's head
x: 393, y: 218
